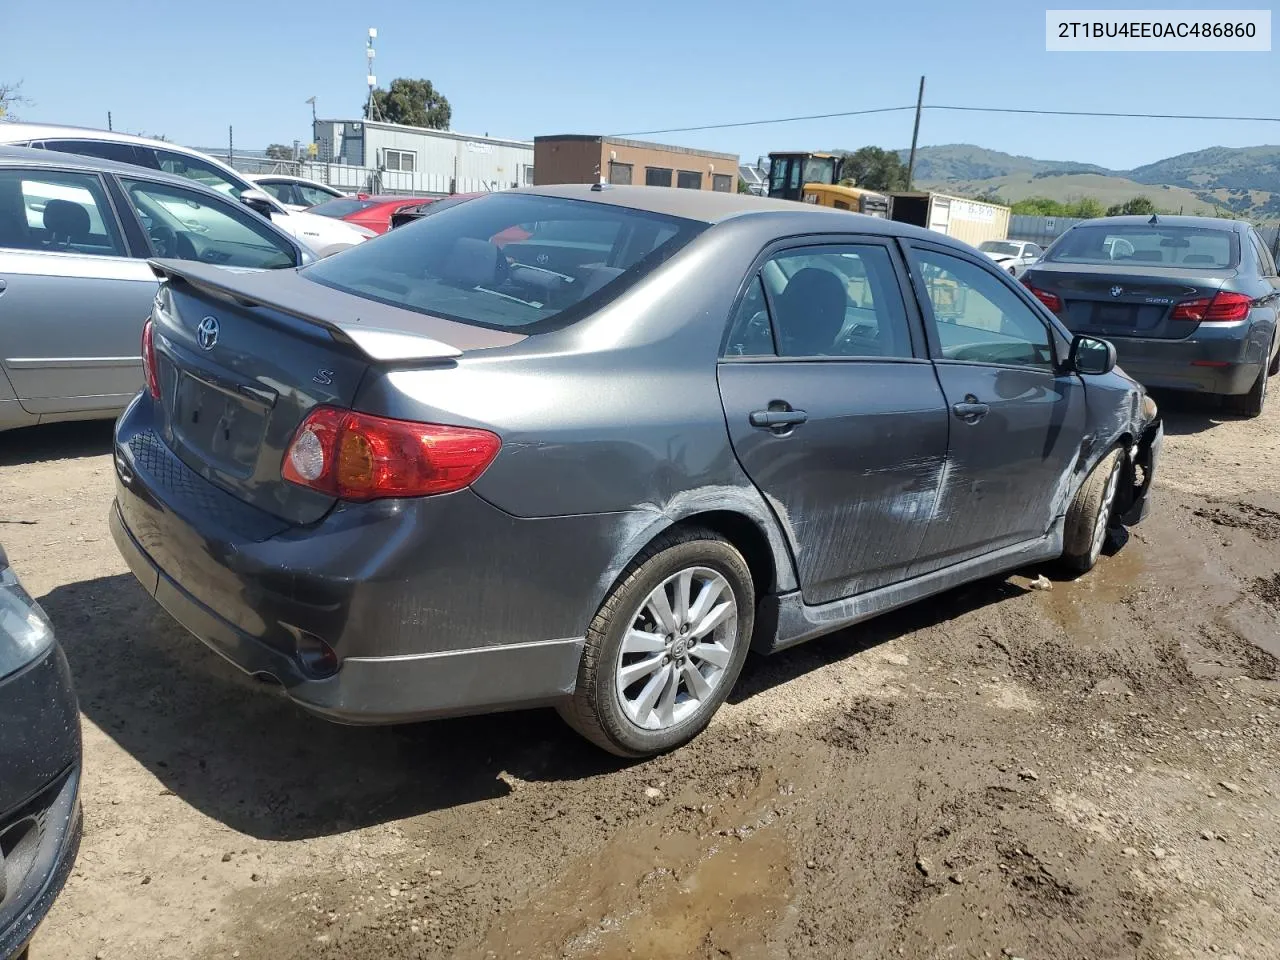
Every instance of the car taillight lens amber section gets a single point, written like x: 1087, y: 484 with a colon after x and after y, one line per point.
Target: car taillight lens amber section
x: 1223, y: 307
x: 359, y: 456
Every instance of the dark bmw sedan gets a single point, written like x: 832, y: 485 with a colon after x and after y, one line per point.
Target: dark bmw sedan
x: 39, y: 766
x: 588, y: 446
x: 1189, y: 302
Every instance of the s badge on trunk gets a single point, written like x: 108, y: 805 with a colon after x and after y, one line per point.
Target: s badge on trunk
x: 207, y: 333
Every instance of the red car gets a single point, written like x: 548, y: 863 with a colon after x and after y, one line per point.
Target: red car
x: 429, y: 207
x: 372, y: 212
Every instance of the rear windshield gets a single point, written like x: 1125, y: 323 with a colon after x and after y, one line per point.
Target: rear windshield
x: 508, y: 260
x: 340, y: 207
x: 1205, y: 247
x: 1000, y: 246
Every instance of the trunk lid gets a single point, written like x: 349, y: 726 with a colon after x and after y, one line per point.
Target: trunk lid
x: 244, y: 356
x: 1118, y: 302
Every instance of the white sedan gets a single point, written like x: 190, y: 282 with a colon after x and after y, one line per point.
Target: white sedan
x: 1013, y: 255
x: 296, y: 193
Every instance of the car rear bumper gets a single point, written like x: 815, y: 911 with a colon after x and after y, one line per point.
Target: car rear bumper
x: 40, y: 827
x: 432, y: 607
x: 1219, y: 362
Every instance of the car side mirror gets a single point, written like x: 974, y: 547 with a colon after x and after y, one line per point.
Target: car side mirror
x: 259, y: 202
x: 1090, y: 355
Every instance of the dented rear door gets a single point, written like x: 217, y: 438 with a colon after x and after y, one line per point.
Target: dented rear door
x: 846, y: 449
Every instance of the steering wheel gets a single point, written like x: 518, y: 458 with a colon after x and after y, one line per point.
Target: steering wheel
x: 164, y: 238
x: 185, y: 248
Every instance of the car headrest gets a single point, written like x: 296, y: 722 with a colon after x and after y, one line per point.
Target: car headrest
x: 472, y: 262
x: 62, y: 218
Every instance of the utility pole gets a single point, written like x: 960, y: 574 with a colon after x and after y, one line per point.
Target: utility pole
x: 312, y: 101
x: 373, y: 81
x: 915, y: 136
x: 109, y: 127
x: 231, y: 146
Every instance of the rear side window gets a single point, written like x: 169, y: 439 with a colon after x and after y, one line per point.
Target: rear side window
x: 102, y: 149
x: 1152, y: 244
x: 838, y: 301
x: 57, y: 212
x: 509, y: 261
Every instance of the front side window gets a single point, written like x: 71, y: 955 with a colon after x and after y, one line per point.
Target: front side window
x: 310, y: 196
x: 281, y: 191
x: 57, y: 212
x: 837, y: 301
x: 188, y: 225
x: 778, y: 174
x: 977, y: 317
x: 657, y: 177
x: 689, y: 180
x: 509, y: 261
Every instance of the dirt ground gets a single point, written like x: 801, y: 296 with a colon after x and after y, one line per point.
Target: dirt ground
x: 1085, y: 772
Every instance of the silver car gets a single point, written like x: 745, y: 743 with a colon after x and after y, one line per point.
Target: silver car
x: 75, y: 287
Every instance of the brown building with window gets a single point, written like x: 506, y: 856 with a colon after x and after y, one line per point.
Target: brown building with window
x: 575, y: 158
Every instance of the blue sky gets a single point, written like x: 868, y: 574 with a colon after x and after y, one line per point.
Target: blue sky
x: 519, y: 69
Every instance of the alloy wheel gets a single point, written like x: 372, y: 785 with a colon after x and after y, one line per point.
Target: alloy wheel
x: 677, y: 647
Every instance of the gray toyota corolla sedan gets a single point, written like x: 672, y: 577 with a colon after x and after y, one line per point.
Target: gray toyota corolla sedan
x: 1189, y: 302
x: 587, y: 446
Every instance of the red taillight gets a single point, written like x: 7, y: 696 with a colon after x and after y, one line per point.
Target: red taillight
x: 357, y: 456
x: 1050, y: 300
x: 149, y: 370
x: 1222, y: 308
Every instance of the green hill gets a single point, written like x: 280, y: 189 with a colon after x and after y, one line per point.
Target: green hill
x: 1242, y: 180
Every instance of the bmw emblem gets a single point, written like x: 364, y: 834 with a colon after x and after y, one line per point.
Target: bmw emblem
x: 207, y: 333
x: 1115, y: 292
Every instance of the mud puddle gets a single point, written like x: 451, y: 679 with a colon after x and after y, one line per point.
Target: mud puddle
x: 700, y: 879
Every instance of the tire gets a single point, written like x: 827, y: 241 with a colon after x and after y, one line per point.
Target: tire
x: 1249, y: 404
x: 1089, y: 516
x: 608, y: 711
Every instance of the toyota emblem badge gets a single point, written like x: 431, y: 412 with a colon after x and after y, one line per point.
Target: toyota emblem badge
x: 207, y: 333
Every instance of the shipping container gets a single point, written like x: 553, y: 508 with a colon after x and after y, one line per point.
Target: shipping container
x: 970, y: 221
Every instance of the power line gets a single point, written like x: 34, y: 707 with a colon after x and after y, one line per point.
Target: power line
x: 939, y: 106
x: 758, y: 123
x: 1096, y: 113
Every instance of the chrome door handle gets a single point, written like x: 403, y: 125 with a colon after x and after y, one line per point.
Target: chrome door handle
x: 777, y: 418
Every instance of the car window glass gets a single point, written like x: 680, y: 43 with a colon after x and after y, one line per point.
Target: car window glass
x: 201, y: 171
x: 839, y: 301
x: 63, y: 212
x: 508, y: 260
x: 192, y: 226
x: 310, y: 196
x: 978, y: 318
x: 103, y: 149
x: 751, y: 333
x: 281, y: 191
x: 1265, y: 263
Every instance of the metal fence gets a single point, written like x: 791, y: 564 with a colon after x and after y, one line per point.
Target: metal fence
x: 356, y: 179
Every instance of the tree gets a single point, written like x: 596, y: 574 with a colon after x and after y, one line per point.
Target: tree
x: 278, y: 151
x: 873, y: 168
x: 1138, y: 205
x: 1086, y: 208
x: 10, y: 97
x: 414, y: 103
